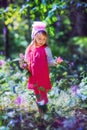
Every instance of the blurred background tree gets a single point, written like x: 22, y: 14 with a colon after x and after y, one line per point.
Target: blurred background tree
x: 66, y: 25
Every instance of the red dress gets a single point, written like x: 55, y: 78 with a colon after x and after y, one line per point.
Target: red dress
x: 39, y: 80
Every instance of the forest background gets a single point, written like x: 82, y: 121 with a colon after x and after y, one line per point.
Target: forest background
x: 67, y: 29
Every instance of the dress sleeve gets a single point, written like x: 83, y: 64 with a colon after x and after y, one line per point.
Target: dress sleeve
x: 50, y: 59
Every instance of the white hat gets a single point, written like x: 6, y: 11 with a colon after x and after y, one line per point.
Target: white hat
x: 37, y: 26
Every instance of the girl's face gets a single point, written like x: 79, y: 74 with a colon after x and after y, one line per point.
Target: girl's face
x: 40, y: 39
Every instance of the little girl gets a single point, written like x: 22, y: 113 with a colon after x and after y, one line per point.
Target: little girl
x: 38, y: 57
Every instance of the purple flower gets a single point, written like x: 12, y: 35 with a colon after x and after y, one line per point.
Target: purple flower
x: 2, y: 62
x: 74, y: 89
x: 18, y: 101
x: 25, y: 65
x: 71, y: 64
x: 1, y: 52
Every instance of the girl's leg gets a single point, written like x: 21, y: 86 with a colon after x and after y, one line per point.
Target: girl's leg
x: 41, y: 96
x: 41, y: 100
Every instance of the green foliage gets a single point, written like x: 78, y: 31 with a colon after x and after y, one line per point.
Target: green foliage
x: 82, y: 41
x: 82, y: 92
x: 64, y: 75
x: 18, y: 18
x: 16, y: 100
x: 12, y: 79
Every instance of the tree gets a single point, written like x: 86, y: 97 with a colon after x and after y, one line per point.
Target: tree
x: 4, y: 3
x: 64, y: 20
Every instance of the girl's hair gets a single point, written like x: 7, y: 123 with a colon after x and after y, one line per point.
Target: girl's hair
x: 40, y: 31
x: 43, y: 32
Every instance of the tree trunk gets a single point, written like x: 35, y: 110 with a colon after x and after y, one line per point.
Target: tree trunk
x: 5, y: 32
x: 6, y: 42
x: 79, y: 21
x: 29, y: 24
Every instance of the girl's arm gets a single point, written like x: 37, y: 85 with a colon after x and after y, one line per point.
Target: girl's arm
x: 50, y: 59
